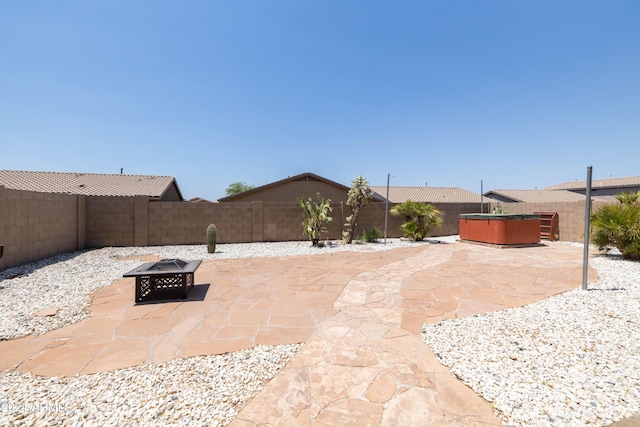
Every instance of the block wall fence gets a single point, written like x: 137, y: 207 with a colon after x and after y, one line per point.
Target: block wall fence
x: 36, y: 225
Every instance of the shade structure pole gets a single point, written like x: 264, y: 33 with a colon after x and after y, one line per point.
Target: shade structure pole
x: 587, y: 227
x: 386, y: 210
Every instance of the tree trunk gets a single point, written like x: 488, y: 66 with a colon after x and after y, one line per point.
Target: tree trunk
x: 352, y: 224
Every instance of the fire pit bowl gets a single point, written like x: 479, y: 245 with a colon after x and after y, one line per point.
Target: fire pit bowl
x: 163, y: 280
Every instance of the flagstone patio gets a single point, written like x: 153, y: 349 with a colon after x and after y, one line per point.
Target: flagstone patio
x: 358, y: 313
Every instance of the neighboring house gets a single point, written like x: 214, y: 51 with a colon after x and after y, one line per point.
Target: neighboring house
x: 198, y: 200
x: 604, y: 188
x: 426, y: 194
x: 601, y: 189
x: 290, y: 189
x: 533, y: 196
x: 308, y: 184
x: 157, y: 188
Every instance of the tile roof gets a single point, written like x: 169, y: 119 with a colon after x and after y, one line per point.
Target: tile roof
x: 537, y: 196
x: 630, y: 181
x: 89, y: 184
x: 427, y: 194
x: 198, y: 200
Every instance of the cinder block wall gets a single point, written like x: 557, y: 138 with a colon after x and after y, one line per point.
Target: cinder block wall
x: 172, y: 223
x: 110, y: 221
x: 282, y: 221
x: 451, y: 221
x: 38, y: 225
x: 35, y: 225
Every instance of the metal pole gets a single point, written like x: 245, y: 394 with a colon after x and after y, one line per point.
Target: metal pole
x: 481, y: 198
x: 386, y: 210
x: 587, y: 223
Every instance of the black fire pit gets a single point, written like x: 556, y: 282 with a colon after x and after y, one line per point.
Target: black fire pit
x: 163, y: 280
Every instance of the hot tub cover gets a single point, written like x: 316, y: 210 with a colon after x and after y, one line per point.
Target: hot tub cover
x: 498, y: 216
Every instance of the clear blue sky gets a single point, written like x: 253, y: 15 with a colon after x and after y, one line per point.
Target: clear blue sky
x: 519, y: 94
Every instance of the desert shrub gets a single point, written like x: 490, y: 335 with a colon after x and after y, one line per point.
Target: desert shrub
x: 315, y: 214
x: 499, y: 209
x: 370, y: 236
x: 617, y: 225
x: 420, y: 218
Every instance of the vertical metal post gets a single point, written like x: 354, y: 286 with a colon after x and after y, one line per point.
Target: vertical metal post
x: 342, y: 218
x: 587, y: 226
x: 481, y: 198
x: 386, y: 210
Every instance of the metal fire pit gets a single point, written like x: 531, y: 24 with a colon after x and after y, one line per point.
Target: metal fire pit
x: 163, y: 280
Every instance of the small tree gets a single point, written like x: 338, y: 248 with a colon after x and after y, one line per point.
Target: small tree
x: 420, y: 218
x: 314, y: 215
x: 618, y: 225
x: 237, y: 187
x: 360, y: 194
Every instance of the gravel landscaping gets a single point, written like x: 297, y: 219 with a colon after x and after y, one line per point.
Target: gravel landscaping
x: 569, y: 360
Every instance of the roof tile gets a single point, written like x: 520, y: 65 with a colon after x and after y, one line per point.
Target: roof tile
x: 630, y: 181
x: 538, y: 196
x: 427, y: 194
x: 89, y: 184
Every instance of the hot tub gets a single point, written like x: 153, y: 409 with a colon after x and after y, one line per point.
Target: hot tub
x: 500, y: 229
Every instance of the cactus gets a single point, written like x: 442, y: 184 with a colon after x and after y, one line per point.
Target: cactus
x: 315, y: 215
x: 212, y: 232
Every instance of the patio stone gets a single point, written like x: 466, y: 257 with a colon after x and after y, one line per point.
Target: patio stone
x: 358, y: 313
x: 65, y: 359
x: 381, y: 389
x: 120, y: 353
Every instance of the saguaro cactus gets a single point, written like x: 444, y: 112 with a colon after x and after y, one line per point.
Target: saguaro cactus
x: 212, y: 232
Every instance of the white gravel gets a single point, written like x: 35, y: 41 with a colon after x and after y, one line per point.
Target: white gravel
x: 196, y: 391
x: 569, y: 360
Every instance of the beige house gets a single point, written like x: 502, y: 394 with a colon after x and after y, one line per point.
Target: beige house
x: 533, y: 196
x: 157, y: 188
x: 290, y: 189
x: 308, y: 184
x: 601, y: 190
x: 604, y: 188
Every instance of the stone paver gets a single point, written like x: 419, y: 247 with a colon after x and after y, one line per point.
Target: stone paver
x: 359, y: 314
x: 235, y: 304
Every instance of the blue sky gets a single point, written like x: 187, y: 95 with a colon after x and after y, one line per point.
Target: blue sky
x: 519, y: 94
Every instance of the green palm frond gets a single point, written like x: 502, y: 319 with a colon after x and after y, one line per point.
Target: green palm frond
x: 618, y: 225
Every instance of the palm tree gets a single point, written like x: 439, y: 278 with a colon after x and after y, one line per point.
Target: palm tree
x: 618, y: 225
x: 420, y: 218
